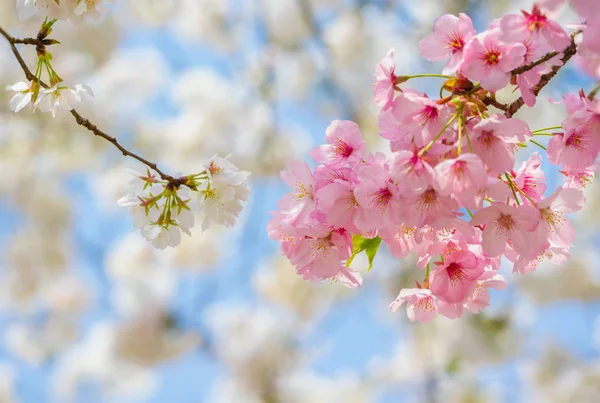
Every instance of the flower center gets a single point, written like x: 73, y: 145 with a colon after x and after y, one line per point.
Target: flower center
x: 553, y: 218
x: 427, y: 114
x: 577, y: 141
x: 302, y: 191
x: 456, y: 274
x: 487, y: 138
x: 425, y: 304
x: 506, y: 222
x: 458, y: 168
x: 428, y: 200
x: 214, y: 169
x: 381, y: 199
x: 492, y: 57
x: 341, y: 148
x: 536, y: 20
x: 91, y: 4
x: 455, y: 42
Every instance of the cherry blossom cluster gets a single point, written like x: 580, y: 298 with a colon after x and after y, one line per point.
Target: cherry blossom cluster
x: 74, y: 10
x: 450, y: 191
x: 163, y: 209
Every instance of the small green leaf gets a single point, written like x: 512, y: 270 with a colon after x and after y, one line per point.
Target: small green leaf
x: 367, y: 245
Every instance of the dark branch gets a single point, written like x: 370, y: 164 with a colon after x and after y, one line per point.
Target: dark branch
x: 568, y: 53
x: 78, y: 118
x: 30, y: 76
x: 527, y: 67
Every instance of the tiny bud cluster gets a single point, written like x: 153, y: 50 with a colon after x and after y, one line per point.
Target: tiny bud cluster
x: 450, y: 190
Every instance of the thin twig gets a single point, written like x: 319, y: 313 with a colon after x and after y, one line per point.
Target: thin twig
x: 30, y: 76
x: 491, y: 100
x: 568, y: 53
x: 83, y: 121
x: 527, y: 67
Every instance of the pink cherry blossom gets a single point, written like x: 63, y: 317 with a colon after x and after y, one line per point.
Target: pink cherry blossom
x: 319, y: 252
x: 430, y: 208
x: 412, y: 170
x: 378, y: 199
x: 559, y: 230
x: 420, y: 304
x: 455, y: 279
x: 579, y: 179
x: 345, y: 145
x: 464, y: 174
x: 336, y: 200
x: 448, y: 39
x: 576, y: 149
x: 299, y: 204
x: 480, y: 299
x: 399, y: 238
x: 385, y: 78
x: 534, y: 25
x: 530, y: 178
x: 553, y: 254
x: 280, y: 230
x: 324, y: 175
x: 493, y: 140
x: 504, y: 223
x: 412, y: 118
x: 349, y: 277
x: 488, y: 60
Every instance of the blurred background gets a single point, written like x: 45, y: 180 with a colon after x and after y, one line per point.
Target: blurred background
x: 90, y: 312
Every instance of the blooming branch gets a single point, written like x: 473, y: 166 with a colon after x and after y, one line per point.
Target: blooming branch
x: 78, y: 118
x: 163, y: 207
x: 415, y: 198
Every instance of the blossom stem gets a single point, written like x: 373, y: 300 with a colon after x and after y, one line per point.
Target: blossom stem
x: 81, y: 120
x: 544, y: 130
x: 512, y: 187
x: 568, y: 53
x: 432, y: 142
x: 426, y: 75
x: 593, y: 92
x: 538, y: 144
x: 460, y: 135
x: 464, y: 124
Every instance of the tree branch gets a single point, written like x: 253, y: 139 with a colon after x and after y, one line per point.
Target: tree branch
x: 527, y: 67
x: 568, y: 53
x: 78, y: 118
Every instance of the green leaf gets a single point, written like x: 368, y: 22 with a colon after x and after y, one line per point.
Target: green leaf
x: 361, y: 244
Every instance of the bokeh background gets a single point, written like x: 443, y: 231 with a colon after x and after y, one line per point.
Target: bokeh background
x: 89, y: 312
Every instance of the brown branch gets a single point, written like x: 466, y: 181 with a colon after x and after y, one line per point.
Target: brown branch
x: 568, y: 53
x: 492, y: 101
x: 34, y: 41
x: 83, y: 121
x: 527, y: 67
x: 30, y: 76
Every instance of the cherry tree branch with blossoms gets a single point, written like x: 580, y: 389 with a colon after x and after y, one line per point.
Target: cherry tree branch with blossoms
x: 41, y: 43
x: 162, y: 207
x: 450, y: 158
